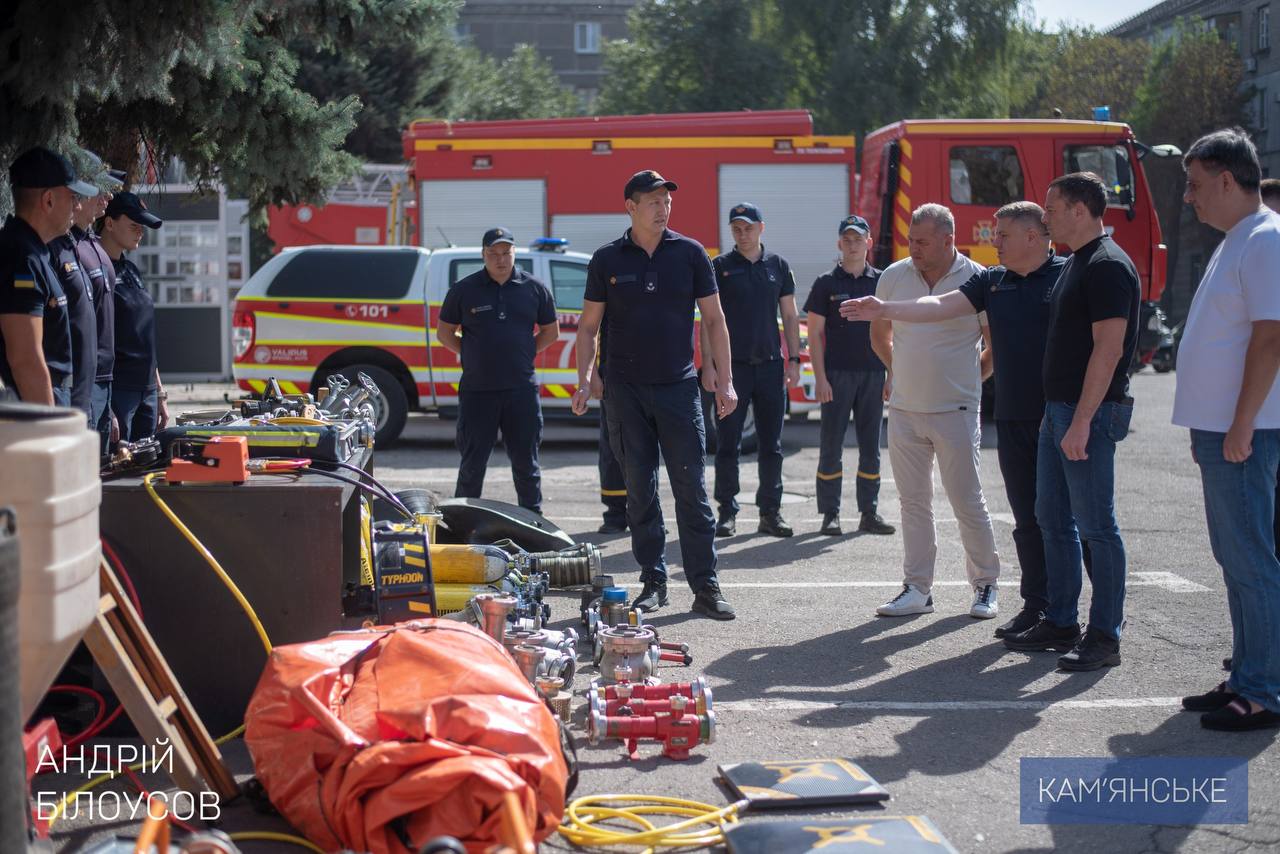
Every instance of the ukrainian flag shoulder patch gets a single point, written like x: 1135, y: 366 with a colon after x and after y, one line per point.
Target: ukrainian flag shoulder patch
x: 24, y: 282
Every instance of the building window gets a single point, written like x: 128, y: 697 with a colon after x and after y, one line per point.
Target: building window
x: 1264, y: 28
x: 586, y: 37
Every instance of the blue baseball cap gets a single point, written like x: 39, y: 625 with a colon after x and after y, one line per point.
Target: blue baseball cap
x: 855, y: 222
x: 39, y: 169
x: 646, y: 181
x: 746, y: 212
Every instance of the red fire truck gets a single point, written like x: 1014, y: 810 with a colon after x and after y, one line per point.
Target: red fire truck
x: 975, y: 166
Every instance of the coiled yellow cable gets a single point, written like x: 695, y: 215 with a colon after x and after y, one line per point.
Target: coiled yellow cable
x: 271, y: 836
x: 582, y: 819
x: 209, y: 559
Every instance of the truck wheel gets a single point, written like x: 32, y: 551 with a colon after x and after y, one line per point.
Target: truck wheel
x: 391, y: 407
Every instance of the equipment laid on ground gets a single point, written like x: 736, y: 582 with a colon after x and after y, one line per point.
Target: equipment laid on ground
x: 382, y: 739
x: 813, y: 783
x: 630, y: 653
x: 549, y: 657
x: 482, y: 520
x: 909, y: 834
x: 679, y: 730
x: 641, y: 698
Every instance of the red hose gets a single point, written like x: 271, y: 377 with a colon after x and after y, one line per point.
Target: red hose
x: 98, y: 723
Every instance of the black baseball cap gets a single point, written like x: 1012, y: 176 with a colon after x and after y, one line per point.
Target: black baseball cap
x: 112, y: 180
x: 745, y: 211
x: 855, y: 222
x: 646, y: 181
x: 497, y: 235
x: 39, y: 168
x: 128, y: 204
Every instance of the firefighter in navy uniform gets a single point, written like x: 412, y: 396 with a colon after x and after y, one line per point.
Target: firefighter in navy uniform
x: 497, y: 310
x: 97, y: 265
x: 79, y: 289
x: 137, y: 399
x: 755, y: 287
x: 849, y: 381
x: 613, y: 486
x: 650, y: 280
x: 35, y: 334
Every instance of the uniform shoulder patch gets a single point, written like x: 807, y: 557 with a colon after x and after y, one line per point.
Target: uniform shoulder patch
x: 24, y: 282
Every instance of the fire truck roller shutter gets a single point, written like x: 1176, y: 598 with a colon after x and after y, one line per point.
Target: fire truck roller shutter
x: 588, y: 232
x: 799, y: 202
x: 464, y: 210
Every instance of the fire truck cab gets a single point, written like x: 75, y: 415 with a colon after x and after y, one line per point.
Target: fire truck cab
x: 976, y: 166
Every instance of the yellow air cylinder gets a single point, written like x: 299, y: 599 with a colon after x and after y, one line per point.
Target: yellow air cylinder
x: 468, y: 564
x: 454, y: 597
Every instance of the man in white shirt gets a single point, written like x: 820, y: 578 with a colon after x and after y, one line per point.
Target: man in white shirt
x: 934, y: 389
x: 1228, y: 397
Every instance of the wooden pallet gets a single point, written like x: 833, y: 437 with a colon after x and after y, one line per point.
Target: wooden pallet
x: 138, y: 674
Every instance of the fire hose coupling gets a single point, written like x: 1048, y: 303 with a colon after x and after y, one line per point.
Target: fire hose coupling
x: 639, y: 698
x: 529, y: 660
x: 632, y: 647
x: 571, y: 567
x: 552, y: 660
x: 679, y: 732
x: 552, y: 688
x: 494, y: 609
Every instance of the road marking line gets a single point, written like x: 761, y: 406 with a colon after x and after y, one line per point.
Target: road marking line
x: 1164, y: 580
x: 781, y: 705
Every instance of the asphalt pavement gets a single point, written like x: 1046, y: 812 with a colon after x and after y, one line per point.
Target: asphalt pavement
x: 932, y: 706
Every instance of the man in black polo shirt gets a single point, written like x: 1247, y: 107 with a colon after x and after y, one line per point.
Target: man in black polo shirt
x: 755, y: 286
x: 35, y: 335
x: 497, y: 310
x: 97, y: 265
x: 1093, y: 332
x: 650, y: 280
x: 849, y: 380
x: 613, y: 484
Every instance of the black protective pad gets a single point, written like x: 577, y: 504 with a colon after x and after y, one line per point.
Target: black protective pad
x: 807, y: 783
x: 910, y: 834
x: 482, y: 520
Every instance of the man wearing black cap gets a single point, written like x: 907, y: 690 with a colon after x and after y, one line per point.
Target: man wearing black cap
x: 497, y: 310
x: 849, y: 380
x: 78, y: 287
x: 35, y: 335
x: 755, y: 286
x: 137, y: 399
x: 650, y: 281
x: 96, y: 264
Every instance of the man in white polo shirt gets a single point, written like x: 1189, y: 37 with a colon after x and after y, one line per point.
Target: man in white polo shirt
x: 934, y: 389
x: 1227, y: 395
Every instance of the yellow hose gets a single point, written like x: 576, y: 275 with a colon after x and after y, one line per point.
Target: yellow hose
x: 582, y: 820
x: 271, y: 836
x: 209, y: 559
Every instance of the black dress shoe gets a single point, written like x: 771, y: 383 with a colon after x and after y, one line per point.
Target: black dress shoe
x: 1095, y: 650
x: 1044, y: 636
x: 1226, y: 664
x: 727, y: 526
x: 652, y: 596
x: 830, y: 525
x: 1210, y: 700
x: 1237, y: 717
x: 1023, y: 620
x: 613, y: 526
x: 771, y: 522
x: 872, y: 524
x: 711, y: 602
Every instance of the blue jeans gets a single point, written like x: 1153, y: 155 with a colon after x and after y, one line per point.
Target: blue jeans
x: 666, y: 417
x: 100, y: 413
x: 1075, y: 499
x: 137, y: 410
x: 764, y: 388
x: 1239, y: 501
x: 518, y: 412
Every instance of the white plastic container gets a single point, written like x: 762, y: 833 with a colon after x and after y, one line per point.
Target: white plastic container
x: 49, y: 476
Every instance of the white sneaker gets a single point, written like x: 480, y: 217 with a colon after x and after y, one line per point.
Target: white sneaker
x: 909, y: 601
x: 984, y: 602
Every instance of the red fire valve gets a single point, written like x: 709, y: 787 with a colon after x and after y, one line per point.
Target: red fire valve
x: 698, y: 690
x: 679, y: 733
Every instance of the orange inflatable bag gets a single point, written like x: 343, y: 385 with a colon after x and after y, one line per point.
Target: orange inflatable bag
x: 379, y: 740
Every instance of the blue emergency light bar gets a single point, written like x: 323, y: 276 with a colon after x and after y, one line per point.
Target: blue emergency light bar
x: 549, y: 244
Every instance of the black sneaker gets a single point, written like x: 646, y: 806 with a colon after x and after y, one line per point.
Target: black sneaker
x: 1226, y: 664
x: 613, y: 526
x: 872, y: 524
x: 1023, y: 620
x: 1095, y: 650
x: 652, y: 597
x: 1210, y: 700
x: 830, y: 524
x: 1044, y: 636
x: 771, y: 522
x: 727, y: 526
x: 710, y: 601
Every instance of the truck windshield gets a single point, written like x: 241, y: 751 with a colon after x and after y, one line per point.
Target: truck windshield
x: 1110, y: 163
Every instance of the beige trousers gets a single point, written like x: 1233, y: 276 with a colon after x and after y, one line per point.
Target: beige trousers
x: 915, y: 438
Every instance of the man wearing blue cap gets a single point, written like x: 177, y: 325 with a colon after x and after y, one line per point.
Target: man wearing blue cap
x: 35, y: 334
x: 849, y: 381
x: 755, y: 287
x: 506, y: 318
